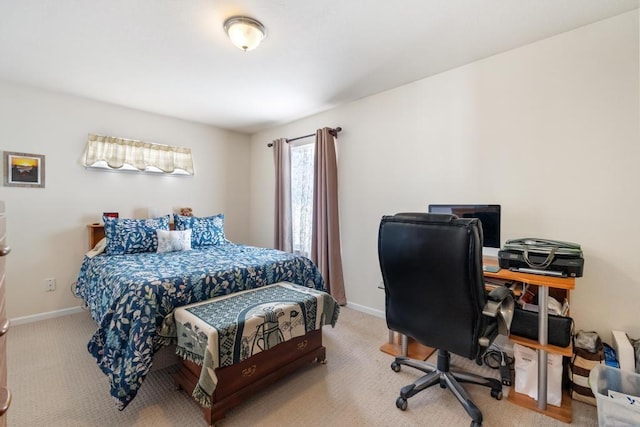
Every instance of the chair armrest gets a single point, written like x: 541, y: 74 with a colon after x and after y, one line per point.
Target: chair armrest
x: 499, y: 293
x: 500, y: 304
x: 495, y: 300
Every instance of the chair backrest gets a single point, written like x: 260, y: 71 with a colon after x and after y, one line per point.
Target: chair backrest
x: 432, y: 271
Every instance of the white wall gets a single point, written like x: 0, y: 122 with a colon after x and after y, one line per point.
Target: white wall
x: 47, y: 228
x: 550, y: 131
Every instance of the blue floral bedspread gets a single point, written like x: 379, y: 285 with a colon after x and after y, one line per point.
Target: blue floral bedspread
x: 132, y: 298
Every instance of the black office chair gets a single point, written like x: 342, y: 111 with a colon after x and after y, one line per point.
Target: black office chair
x: 432, y: 270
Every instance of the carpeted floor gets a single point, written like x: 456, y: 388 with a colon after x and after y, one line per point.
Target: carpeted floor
x: 55, y: 382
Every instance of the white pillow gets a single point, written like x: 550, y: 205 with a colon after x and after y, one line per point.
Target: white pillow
x: 98, y: 248
x: 174, y: 240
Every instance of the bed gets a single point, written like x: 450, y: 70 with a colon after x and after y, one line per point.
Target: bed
x: 132, y: 296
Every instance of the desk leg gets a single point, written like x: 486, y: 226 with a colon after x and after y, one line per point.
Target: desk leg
x: 405, y: 345
x: 401, y: 345
x: 543, y: 328
x: 404, y: 342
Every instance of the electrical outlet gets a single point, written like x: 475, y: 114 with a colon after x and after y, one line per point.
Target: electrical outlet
x: 49, y: 285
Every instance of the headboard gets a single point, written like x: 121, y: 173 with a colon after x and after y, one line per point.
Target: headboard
x: 96, y: 233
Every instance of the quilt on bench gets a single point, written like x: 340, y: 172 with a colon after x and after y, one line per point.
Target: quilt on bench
x: 229, y: 329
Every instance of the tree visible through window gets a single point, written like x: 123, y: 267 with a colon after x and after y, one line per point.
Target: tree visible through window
x: 302, y: 197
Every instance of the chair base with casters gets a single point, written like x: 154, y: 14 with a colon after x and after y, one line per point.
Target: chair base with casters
x: 446, y: 378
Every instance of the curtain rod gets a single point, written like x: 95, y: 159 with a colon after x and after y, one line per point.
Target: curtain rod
x: 333, y: 132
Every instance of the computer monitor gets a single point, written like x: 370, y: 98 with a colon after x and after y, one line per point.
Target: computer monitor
x: 489, y: 216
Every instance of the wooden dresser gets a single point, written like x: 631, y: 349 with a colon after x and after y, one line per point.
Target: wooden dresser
x: 5, y: 395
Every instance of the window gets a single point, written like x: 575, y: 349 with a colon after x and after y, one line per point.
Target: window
x: 302, y: 197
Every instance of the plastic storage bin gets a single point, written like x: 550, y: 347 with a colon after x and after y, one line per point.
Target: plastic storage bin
x: 615, y: 412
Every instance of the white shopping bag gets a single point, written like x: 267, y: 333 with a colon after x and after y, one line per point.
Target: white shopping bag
x: 526, y: 367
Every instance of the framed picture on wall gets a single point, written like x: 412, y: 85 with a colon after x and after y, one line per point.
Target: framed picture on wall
x: 23, y: 170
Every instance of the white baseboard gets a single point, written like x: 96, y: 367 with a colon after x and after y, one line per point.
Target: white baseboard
x: 44, y: 316
x: 73, y: 310
x: 365, y: 309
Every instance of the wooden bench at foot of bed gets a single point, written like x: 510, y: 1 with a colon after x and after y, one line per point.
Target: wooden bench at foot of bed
x: 238, y: 382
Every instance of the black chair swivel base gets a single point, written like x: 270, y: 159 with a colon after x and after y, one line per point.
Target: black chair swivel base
x: 441, y: 374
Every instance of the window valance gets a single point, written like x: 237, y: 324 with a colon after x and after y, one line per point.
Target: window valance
x: 119, y: 153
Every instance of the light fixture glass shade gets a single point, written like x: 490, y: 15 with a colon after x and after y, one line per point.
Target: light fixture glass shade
x: 245, y: 33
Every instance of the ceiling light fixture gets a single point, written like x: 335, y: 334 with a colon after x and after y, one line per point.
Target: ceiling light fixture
x: 246, y: 33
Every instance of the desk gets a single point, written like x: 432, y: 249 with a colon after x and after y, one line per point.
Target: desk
x: 560, y: 287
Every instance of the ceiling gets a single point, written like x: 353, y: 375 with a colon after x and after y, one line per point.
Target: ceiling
x: 172, y: 57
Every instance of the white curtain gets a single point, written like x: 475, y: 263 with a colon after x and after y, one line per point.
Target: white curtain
x: 117, y: 152
x: 302, y: 197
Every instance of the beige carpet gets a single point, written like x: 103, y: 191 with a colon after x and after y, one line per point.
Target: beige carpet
x: 55, y: 382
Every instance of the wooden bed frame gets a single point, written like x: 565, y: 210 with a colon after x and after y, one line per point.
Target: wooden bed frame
x: 236, y: 383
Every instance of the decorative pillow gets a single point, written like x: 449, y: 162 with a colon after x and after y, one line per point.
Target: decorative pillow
x: 98, y: 248
x: 174, y: 241
x: 129, y: 236
x: 207, y: 231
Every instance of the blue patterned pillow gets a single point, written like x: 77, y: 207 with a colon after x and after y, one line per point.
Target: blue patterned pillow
x: 206, y: 231
x: 130, y: 236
